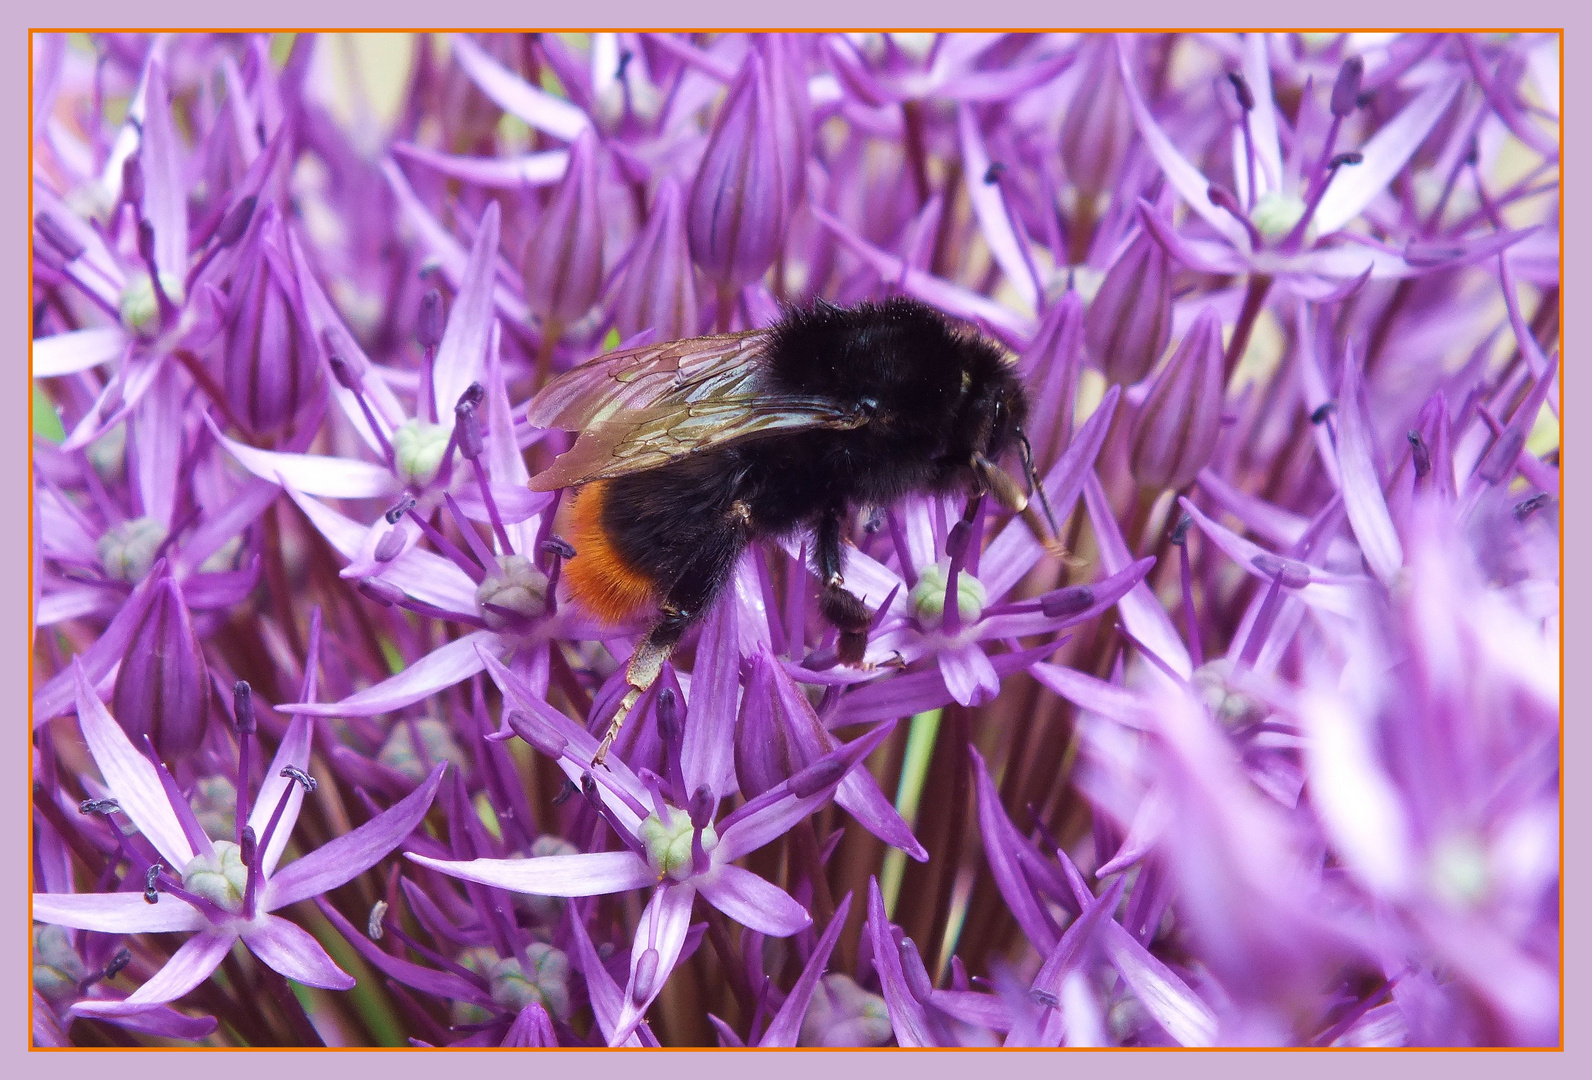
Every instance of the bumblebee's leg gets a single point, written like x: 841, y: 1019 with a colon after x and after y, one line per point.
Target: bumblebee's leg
x: 839, y: 605
x: 689, y: 598
x: 644, y: 668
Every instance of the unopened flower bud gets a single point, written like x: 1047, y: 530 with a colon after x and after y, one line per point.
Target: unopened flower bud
x: 657, y: 290
x: 127, y: 549
x: 270, y: 367
x: 1346, y: 90
x: 429, y: 323
x: 1099, y: 121
x: 736, y: 215
x: 390, y: 546
x: 564, y: 262
x: 517, y: 587
x: 163, y: 686
x: 1130, y: 320
x: 1175, y: 432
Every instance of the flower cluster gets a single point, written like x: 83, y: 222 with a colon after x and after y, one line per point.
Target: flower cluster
x: 1262, y: 747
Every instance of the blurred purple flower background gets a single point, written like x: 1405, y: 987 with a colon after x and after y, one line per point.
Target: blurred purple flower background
x: 1270, y: 756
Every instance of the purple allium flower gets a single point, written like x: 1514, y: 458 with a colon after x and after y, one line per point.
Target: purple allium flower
x: 1266, y: 752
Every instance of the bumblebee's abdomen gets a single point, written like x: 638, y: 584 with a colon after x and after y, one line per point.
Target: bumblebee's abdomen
x: 600, y: 578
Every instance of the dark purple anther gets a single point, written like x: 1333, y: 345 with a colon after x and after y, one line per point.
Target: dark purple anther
x: 248, y: 846
x: 403, y: 506
x: 646, y: 975
x: 390, y: 546
x: 243, y: 707
x: 701, y: 807
x: 133, y: 181
x: 1346, y: 90
x: 428, y: 327
x: 1241, y: 90
x: 118, y: 962
x: 1068, y: 601
x: 467, y: 430
x: 1421, y: 456
x: 1285, y: 572
x: 67, y: 246
x: 299, y: 776
x: 1179, y: 534
x: 816, y: 777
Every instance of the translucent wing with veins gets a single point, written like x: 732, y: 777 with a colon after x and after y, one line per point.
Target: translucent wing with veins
x: 645, y: 407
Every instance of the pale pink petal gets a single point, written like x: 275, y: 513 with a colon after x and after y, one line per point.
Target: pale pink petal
x: 188, y: 967
x: 1384, y: 154
x: 907, y: 1018
x: 116, y: 913
x: 515, y: 96
x: 1328, y: 591
x: 786, y: 1026
x: 130, y: 776
x: 596, y: 874
x: 1262, y: 118
x: 1188, y: 181
x: 1167, y: 998
x: 1092, y: 695
x: 525, y: 170
x: 662, y: 927
x: 753, y: 902
x: 995, y: 225
x: 969, y: 675
x: 607, y: 996
x: 437, y: 670
x: 290, y: 950
x: 461, y: 356
x: 294, y: 750
x: 313, y: 474
x: 1362, y: 487
x: 165, y: 193
x: 77, y: 350
x: 1142, y: 613
x: 708, y: 754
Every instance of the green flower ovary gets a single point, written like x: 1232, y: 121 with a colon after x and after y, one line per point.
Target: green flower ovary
x: 517, y: 586
x: 547, y: 984
x: 127, y: 549
x: 418, y: 448
x: 140, y: 307
x: 219, y: 878
x: 57, y: 968
x: 668, y: 843
x: 1275, y: 214
x: 928, y: 595
x: 398, y: 752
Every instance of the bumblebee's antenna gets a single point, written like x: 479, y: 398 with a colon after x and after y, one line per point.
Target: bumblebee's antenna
x: 1034, y: 486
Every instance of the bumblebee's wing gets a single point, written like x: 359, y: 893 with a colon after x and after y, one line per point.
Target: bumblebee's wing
x: 636, y: 440
x: 673, y: 373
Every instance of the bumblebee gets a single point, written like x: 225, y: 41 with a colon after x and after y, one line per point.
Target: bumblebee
x: 689, y: 451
